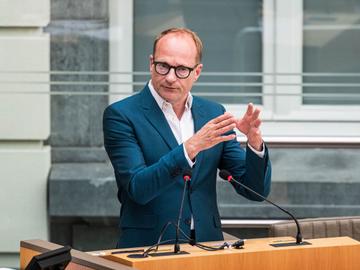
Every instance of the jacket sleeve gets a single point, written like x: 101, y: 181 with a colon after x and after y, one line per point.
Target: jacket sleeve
x: 143, y: 183
x: 248, y: 168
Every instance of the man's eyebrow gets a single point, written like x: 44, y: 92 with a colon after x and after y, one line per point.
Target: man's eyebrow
x: 181, y: 65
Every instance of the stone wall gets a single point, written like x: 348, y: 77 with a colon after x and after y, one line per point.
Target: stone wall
x: 79, y: 47
x: 79, y: 62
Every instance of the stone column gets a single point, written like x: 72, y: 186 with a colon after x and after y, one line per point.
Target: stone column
x: 24, y: 124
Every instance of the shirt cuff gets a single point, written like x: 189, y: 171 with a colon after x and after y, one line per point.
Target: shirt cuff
x: 190, y: 162
x: 260, y: 154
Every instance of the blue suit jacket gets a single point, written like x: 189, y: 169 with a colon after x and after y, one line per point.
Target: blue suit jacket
x: 148, y: 165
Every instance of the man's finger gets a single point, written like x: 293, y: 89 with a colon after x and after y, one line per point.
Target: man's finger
x: 225, y: 138
x: 250, y: 109
x: 255, y: 114
x: 225, y: 123
x: 221, y: 118
x: 225, y: 129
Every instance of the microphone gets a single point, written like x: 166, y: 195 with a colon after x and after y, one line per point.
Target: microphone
x: 224, y: 174
x: 187, y: 177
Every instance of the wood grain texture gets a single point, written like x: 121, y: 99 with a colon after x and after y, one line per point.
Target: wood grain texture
x: 325, y: 253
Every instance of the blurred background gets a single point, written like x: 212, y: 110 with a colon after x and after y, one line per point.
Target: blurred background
x: 63, y: 61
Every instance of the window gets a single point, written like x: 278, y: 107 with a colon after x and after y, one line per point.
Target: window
x: 297, y: 60
x: 306, y: 71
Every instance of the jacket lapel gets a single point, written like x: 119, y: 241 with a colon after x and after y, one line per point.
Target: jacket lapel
x: 199, y: 116
x: 156, y: 117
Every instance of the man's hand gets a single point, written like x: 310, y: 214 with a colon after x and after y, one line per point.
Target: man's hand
x: 210, y: 135
x: 249, y: 126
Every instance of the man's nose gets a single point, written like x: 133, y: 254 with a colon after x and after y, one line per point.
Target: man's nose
x: 171, y: 76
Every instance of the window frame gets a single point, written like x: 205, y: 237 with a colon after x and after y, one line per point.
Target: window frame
x: 283, y: 111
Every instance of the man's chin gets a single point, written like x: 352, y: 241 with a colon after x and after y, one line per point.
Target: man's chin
x: 172, y: 99
x: 169, y: 94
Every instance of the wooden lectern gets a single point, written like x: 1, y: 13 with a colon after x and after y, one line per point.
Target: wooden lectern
x: 325, y: 253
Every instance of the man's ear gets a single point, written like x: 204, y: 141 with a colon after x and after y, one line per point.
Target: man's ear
x: 197, y: 71
x: 151, y: 61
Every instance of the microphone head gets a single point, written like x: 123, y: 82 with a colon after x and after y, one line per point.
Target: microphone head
x: 187, y: 175
x: 224, y: 174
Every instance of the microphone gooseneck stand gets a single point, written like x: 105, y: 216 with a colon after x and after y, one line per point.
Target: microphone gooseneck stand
x: 187, y: 177
x: 224, y: 174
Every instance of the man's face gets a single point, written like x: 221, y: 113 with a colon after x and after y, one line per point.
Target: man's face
x: 176, y: 50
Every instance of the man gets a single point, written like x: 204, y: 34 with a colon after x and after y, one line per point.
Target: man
x: 157, y: 134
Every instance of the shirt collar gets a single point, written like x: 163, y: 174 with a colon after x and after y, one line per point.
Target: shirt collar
x: 163, y: 103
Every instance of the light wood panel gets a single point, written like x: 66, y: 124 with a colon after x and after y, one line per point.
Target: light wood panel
x: 325, y: 253
x: 26, y: 255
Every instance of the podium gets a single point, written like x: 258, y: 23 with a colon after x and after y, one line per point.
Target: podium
x: 324, y: 253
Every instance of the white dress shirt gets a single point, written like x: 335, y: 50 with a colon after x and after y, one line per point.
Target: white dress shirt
x: 182, y: 128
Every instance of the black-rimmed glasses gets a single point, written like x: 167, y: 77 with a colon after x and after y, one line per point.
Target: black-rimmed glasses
x: 182, y: 72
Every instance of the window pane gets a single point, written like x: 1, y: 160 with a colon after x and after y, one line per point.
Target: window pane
x: 331, y: 45
x: 231, y: 31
